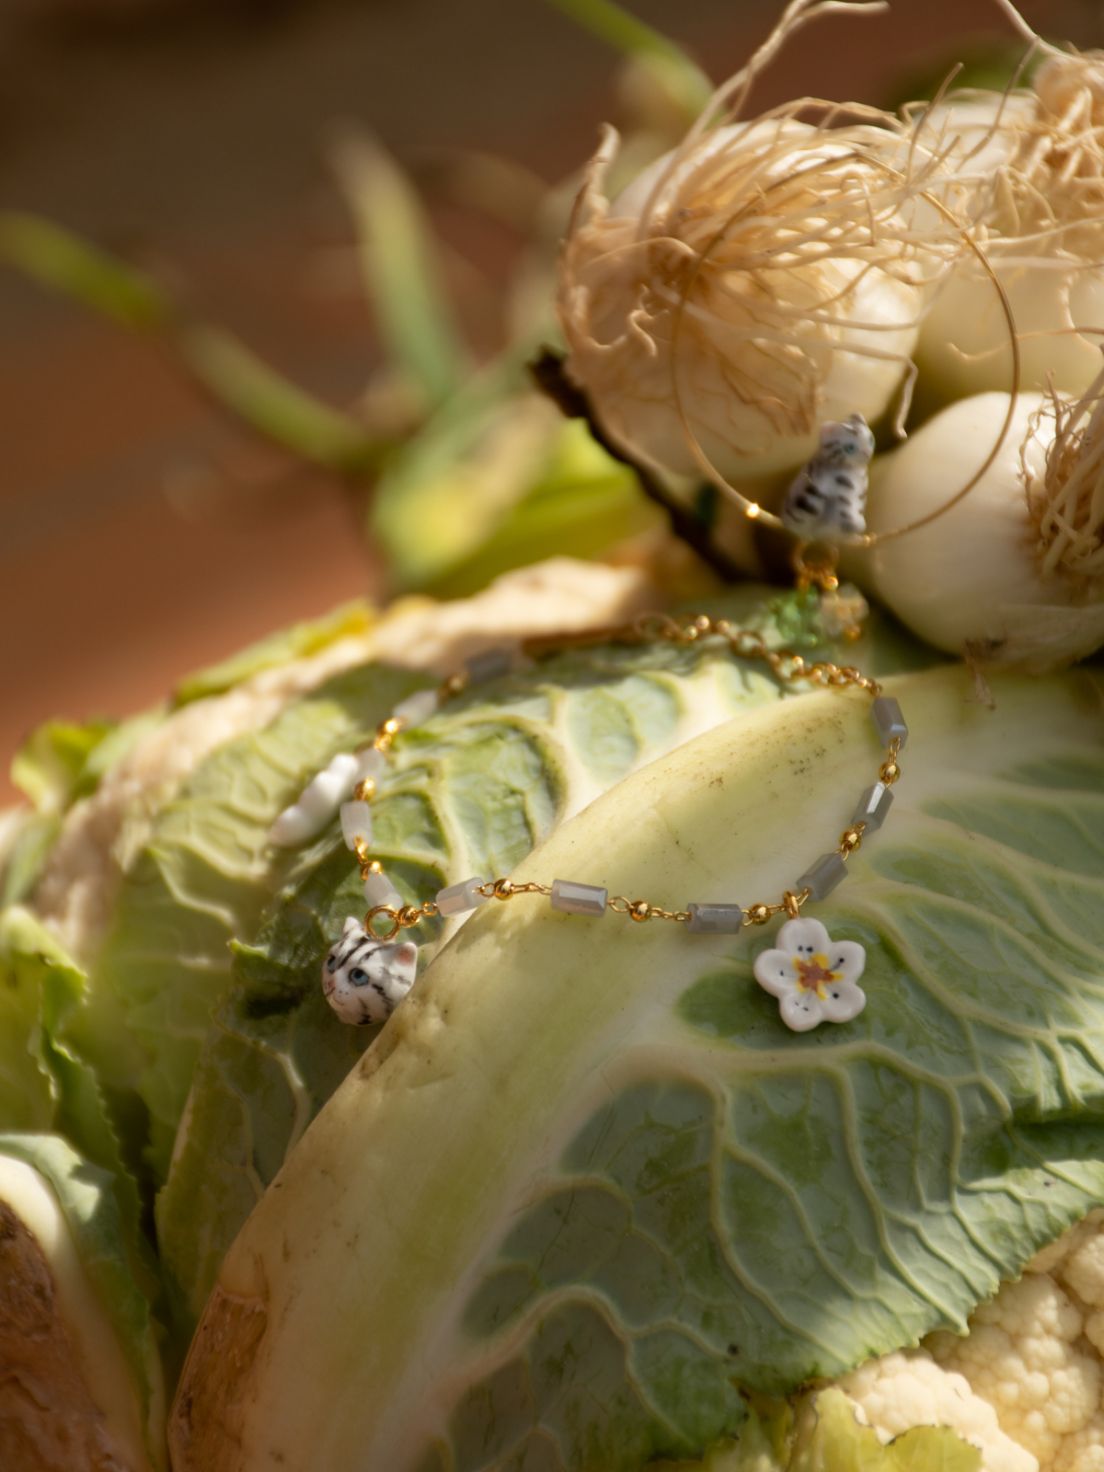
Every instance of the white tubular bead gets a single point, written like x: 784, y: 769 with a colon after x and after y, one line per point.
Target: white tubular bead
x: 292, y: 828
x: 356, y: 822
x: 370, y: 763
x: 318, y: 802
x: 416, y: 708
x: 378, y: 890
x: 457, y: 899
x: 324, y: 794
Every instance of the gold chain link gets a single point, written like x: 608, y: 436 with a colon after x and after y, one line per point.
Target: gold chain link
x: 649, y: 628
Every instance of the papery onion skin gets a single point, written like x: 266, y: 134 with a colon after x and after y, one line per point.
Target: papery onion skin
x: 724, y: 306
x: 970, y: 581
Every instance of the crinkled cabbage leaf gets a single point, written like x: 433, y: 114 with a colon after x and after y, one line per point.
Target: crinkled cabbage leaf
x: 469, y: 792
x: 586, y: 1193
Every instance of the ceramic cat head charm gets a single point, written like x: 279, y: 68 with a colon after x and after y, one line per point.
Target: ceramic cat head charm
x: 828, y: 496
x: 363, y: 979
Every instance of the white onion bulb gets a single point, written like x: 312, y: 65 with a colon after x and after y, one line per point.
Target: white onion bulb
x: 1014, y: 573
x: 1031, y: 170
x: 763, y: 278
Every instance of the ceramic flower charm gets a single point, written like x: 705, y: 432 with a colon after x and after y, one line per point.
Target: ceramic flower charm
x: 813, y: 976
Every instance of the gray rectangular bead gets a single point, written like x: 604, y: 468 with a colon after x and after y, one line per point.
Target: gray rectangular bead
x: 822, y: 878
x: 889, y: 721
x: 715, y: 919
x: 489, y: 665
x: 457, y: 899
x: 416, y: 708
x: 578, y: 899
x: 874, y: 805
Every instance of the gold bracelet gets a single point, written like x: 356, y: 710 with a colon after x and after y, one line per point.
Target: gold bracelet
x: 367, y: 971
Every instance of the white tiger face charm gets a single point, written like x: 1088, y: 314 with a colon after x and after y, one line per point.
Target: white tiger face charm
x: 827, y: 497
x: 363, y: 979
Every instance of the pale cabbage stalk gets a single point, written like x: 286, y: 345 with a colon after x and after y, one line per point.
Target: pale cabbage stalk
x: 1014, y: 572
x: 71, y: 1394
x: 1030, y: 176
x: 763, y: 278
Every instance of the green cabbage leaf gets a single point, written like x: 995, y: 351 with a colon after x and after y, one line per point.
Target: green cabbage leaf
x: 200, y: 878
x: 585, y: 1194
x: 299, y: 641
x: 44, y: 1085
x: 470, y: 792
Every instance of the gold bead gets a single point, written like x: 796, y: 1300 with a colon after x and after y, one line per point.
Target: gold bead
x: 850, y: 840
x: 365, y: 789
x: 889, y: 772
x: 503, y: 889
x: 758, y: 914
x: 640, y: 910
x: 386, y: 732
x: 453, y: 685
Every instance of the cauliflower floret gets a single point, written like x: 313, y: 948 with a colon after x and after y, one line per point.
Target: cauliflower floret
x: 1084, y: 1450
x: 1049, y: 1259
x: 1021, y: 1355
x: 1025, y: 1383
x: 909, y: 1389
x: 1083, y: 1273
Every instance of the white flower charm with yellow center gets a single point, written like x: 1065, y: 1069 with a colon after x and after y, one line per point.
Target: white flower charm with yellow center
x: 813, y: 976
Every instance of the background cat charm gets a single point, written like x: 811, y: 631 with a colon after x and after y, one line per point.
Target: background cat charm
x: 363, y: 979
x: 828, y: 496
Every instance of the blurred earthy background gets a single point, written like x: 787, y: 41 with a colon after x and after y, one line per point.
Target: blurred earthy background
x: 144, y: 528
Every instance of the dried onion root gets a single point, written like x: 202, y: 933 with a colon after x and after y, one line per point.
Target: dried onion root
x: 1066, y: 502
x: 766, y: 276
x: 1029, y: 166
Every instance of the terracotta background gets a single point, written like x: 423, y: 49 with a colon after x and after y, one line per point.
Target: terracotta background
x: 141, y: 533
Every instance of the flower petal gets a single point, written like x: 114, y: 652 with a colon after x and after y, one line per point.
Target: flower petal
x: 774, y: 971
x: 844, y: 1000
x: 846, y: 958
x: 804, y: 937
x: 801, y: 1011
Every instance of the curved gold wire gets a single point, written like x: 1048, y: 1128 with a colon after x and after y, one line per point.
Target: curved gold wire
x: 751, y: 509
